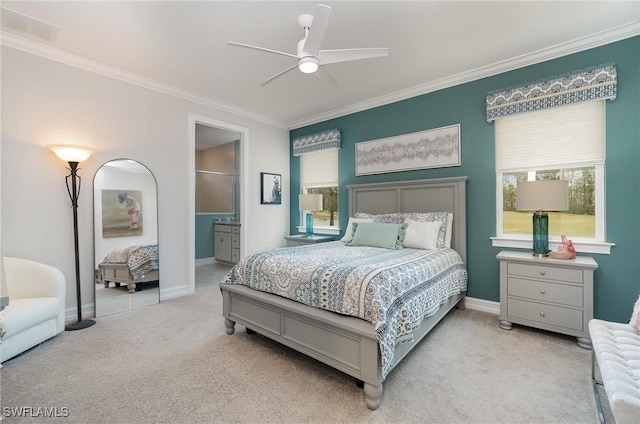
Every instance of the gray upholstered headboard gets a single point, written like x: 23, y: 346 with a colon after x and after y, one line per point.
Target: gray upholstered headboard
x: 434, y: 195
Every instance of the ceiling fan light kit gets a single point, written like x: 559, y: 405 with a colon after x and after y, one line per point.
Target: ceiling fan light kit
x: 309, y: 56
x: 308, y: 65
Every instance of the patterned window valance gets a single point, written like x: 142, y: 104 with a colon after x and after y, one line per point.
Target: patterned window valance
x: 314, y: 142
x: 594, y: 83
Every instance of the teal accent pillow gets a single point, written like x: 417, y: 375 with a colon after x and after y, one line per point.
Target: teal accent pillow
x: 376, y: 234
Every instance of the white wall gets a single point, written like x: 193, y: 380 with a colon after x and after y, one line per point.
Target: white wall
x: 44, y: 101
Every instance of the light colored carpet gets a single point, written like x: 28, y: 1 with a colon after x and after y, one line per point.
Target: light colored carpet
x: 174, y: 363
x: 113, y: 300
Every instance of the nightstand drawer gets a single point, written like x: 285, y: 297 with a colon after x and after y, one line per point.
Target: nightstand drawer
x: 545, y: 272
x: 546, y: 314
x: 546, y: 292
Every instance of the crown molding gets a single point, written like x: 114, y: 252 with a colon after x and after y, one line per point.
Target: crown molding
x: 585, y: 43
x: 595, y: 40
x: 52, y: 53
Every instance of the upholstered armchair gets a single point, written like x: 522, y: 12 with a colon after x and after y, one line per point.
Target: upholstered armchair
x: 36, y: 306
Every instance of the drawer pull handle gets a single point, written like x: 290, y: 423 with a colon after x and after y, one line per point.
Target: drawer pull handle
x: 542, y: 272
x: 542, y: 291
x: 542, y: 313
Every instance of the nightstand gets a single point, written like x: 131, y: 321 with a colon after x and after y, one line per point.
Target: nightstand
x: 546, y: 293
x: 301, y: 239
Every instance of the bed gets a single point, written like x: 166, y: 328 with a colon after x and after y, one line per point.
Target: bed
x: 130, y: 266
x: 356, y: 345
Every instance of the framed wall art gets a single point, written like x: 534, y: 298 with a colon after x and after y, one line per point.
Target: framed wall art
x: 270, y: 188
x: 121, y: 213
x: 435, y: 148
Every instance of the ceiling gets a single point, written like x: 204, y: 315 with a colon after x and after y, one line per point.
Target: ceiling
x: 181, y: 47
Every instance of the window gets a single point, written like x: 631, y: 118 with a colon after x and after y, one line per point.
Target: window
x: 554, y: 129
x: 579, y: 221
x: 565, y: 143
x: 327, y: 218
x: 319, y: 175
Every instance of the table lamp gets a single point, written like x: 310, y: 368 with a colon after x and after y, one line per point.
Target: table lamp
x: 541, y: 196
x: 310, y: 203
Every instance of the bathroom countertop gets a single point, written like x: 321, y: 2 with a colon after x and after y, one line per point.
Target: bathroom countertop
x: 223, y: 222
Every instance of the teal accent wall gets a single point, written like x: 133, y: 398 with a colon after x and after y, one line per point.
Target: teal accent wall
x: 617, y: 280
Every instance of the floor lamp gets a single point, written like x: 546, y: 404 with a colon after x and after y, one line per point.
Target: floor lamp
x: 310, y: 203
x: 541, y: 196
x: 74, y: 155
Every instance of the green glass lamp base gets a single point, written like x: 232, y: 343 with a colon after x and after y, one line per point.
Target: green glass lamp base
x: 540, y: 234
x: 309, y: 224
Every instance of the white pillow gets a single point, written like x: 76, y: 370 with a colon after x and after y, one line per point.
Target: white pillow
x: 447, y: 234
x: 348, y: 233
x: 421, y: 234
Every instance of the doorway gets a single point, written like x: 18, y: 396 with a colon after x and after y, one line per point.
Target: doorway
x: 207, y: 133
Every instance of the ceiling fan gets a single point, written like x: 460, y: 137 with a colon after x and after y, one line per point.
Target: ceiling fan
x: 309, y: 57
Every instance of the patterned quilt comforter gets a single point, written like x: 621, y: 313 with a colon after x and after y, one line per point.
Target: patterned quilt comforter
x: 139, y: 259
x: 393, y: 289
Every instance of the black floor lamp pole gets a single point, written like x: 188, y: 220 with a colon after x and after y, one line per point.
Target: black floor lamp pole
x: 74, y: 192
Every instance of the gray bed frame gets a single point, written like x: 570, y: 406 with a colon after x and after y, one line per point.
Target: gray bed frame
x: 119, y: 273
x: 346, y: 343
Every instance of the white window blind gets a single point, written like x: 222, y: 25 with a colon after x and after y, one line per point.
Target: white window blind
x: 550, y: 138
x: 319, y: 168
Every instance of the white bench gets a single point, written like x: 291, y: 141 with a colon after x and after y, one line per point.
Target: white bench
x: 616, y: 351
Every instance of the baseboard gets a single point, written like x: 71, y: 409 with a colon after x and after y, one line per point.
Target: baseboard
x: 88, y: 311
x: 205, y: 261
x: 173, y: 293
x: 482, y: 305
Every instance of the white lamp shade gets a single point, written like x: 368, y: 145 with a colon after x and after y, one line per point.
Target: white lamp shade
x: 310, y: 202
x: 70, y: 153
x: 548, y: 195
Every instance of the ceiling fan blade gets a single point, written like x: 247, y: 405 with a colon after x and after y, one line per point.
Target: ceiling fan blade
x: 316, y: 33
x: 249, y: 46
x: 344, y: 55
x: 280, y: 74
x: 325, y: 76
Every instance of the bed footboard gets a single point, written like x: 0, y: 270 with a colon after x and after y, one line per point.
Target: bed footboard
x: 119, y: 273
x: 345, y: 343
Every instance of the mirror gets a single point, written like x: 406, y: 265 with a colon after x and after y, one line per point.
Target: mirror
x: 125, y: 237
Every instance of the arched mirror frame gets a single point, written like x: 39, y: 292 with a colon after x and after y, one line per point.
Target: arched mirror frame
x: 117, y: 289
